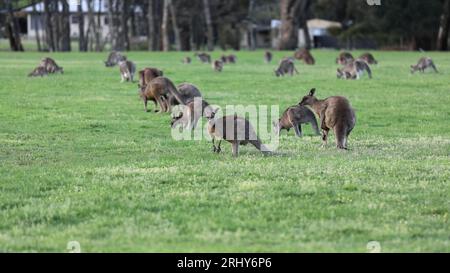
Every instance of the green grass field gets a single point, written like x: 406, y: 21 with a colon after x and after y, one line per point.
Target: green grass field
x: 80, y: 160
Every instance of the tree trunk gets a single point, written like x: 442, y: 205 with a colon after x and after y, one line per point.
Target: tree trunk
x: 65, y: 39
x: 157, y: 11
x: 124, y: 22
x: 82, y: 39
x: 13, y: 29
x: 209, y: 26
x: 98, y: 38
x: 289, y: 24
x: 175, y: 27
x: 165, y: 26
x: 304, y: 11
x: 442, y: 41
x: 150, y: 26
x: 48, y: 26
x: 36, y: 26
x: 55, y: 19
x: 92, y: 27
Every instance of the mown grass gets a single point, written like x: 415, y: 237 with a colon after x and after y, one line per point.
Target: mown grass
x: 80, y: 160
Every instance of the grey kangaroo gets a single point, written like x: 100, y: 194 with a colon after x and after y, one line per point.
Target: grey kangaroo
x: 423, y: 64
x: 127, y: 70
x: 187, y: 91
x: 335, y: 114
x: 114, y: 58
x: 235, y: 130
x: 50, y: 65
x: 286, y: 66
x: 354, y: 70
x: 203, y: 57
x: 190, y: 114
x: 294, y: 117
x: 267, y: 56
x: 217, y: 65
x: 38, y: 71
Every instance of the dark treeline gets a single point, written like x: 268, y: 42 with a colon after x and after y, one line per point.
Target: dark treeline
x: 228, y: 24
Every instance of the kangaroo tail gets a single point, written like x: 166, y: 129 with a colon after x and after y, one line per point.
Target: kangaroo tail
x: 261, y: 147
x: 173, y: 90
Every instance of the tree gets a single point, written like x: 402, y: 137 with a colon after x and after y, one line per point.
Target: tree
x: 442, y: 41
x: 209, y: 26
x: 82, y: 44
x: 48, y: 25
x: 150, y: 26
x: 12, y: 28
x: 36, y: 27
x: 165, y: 26
x: 124, y: 24
x: 65, y: 28
x: 289, y: 24
x: 175, y: 28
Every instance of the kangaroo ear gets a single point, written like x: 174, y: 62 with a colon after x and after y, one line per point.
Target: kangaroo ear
x: 312, y: 92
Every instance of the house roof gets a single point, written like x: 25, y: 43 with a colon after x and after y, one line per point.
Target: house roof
x: 73, y: 6
x: 323, y: 24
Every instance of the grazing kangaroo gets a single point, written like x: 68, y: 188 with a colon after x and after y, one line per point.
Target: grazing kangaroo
x: 335, y: 114
x: 157, y: 91
x: 368, y: 58
x: 187, y: 60
x: 38, y: 71
x: 286, y: 66
x: 423, y: 64
x: 217, y: 66
x: 127, y: 70
x: 231, y: 59
x: 233, y: 129
x: 305, y: 56
x: 267, y: 56
x: 50, y: 65
x: 203, y: 57
x: 114, y: 58
x: 147, y: 74
x: 354, y: 70
x: 187, y: 91
x: 294, y: 117
x: 344, y: 58
x: 190, y: 115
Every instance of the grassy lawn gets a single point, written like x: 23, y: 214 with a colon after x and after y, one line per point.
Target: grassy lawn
x: 80, y: 160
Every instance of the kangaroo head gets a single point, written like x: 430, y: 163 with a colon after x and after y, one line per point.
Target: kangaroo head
x: 309, y: 99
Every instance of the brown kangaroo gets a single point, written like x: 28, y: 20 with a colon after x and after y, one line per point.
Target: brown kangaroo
x: 147, y: 74
x: 305, y: 56
x: 286, y: 66
x: 203, y: 57
x: 267, y: 56
x: 335, y: 114
x: 344, y: 58
x: 50, y: 65
x: 217, y: 66
x: 368, y: 58
x: 294, y: 117
x: 158, y: 90
x: 235, y: 130
x: 38, y: 71
x: 423, y: 64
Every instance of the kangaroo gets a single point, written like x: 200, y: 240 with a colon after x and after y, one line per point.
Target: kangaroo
x: 157, y: 91
x: 186, y: 60
x: 305, y: 56
x: 267, y: 56
x: 147, y: 74
x: 114, y: 58
x: 294, y: 117
x: 344, y: 58
x: 187, y: 91
x: 127, y: 70
x: 203, y: 57
x: 233, y: 129
x: 335, y: 114
x: 368, y: 58
x: 50, y: 65
x: 38, y: 71
x: 423, y: 64
x: 191, y: 113
x: 354, y: 70
x: 231, y: 59
x: 286, y: 66
x: 217, y: 65
x: 224, y: 59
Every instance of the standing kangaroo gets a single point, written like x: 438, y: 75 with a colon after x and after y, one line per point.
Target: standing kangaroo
x: 344, y: 58
x: 354, y: 70
x: 147, y: 74
x: 50, y: 65
x: 294, y: 117
x: 286, y: 66
x: 157, y: 90
x: 267, y: 56
x: 235, y: 130
x: 305, y: 56
x: 423, y: 64
x: 114, y: 58
x: 217, y: 65
x: 368, y: 58
x: 127, y: 70
x: 335, y: 114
